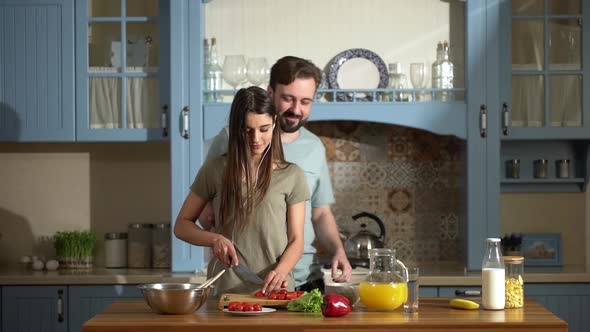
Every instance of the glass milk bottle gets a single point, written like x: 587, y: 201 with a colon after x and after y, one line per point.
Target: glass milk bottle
x: 492, y: 276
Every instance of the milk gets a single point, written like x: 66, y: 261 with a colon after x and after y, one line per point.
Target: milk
x: 492, y: 288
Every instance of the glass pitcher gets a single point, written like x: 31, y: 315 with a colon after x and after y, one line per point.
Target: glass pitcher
x: 386, y: 286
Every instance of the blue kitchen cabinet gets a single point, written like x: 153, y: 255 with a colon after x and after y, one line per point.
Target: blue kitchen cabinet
x: 87, y: 301
x: 37, y: 70
x: 571, y: 302
x: 474, y: 118
x: 544, y: 97
x: 122, y: 87
x: 35, y: 308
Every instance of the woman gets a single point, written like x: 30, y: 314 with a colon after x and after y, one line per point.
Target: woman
x: 258, y: 198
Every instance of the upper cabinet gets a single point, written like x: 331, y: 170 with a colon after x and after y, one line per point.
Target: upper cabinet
x: 37, y: 70
x: 121, y: 70
x: 543, y: 70
x: 377, y: 58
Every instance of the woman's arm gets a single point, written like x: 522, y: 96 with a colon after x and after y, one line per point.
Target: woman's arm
x: 275, y: 279
x: 186, y: 230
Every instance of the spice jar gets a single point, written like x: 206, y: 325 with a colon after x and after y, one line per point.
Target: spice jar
x: 514, y: 282
x: 161, y: 248
x: 139, y: 246
x: 115, y: 246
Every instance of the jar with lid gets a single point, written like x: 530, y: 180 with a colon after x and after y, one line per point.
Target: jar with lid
x: 115, y: 250
x: 492, y: 276
x: 514, y: 281
x: 139, y: 246
x: 161, y: 247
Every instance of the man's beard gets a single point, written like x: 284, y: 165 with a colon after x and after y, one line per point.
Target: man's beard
x: 289, y: 128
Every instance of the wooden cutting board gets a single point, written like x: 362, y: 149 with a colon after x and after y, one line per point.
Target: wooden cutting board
x: 225, y: 299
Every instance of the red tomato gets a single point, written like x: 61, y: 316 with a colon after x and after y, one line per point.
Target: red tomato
x: 239, y: 307
x: 281, y: 296
x: 259, y: 294
x: 290, y: 295
x: 283, y: 291
x: 247, y: 307
x: 273, y: 296
x: 257, y: 307
x: 232, y: 306
x: 299, y: 293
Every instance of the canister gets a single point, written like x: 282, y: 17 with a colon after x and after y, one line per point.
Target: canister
x: 161, y: 246
x: 540, y: 168
x: 514, y: 267
x: 139, y: 246
x: 115, y: 250
x: 513, y: 168
x: 562, y: 167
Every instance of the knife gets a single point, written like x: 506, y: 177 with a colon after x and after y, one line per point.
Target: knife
x: 247, y: 275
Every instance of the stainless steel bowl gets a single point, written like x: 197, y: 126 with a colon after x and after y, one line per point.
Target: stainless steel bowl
x: 174, y: 298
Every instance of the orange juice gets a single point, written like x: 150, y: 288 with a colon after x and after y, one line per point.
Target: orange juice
x: 383, y: 296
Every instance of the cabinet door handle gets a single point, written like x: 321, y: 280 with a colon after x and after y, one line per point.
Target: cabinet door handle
x: 459, y: 292
x: 185, y: 123
x: 60, y: 306
x: 483, y: 121
x: 164, y: 120
x: 505, y: 118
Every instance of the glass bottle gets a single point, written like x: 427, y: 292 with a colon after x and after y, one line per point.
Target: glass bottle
x: 386, y: 286
x: 493, y: 276
x: 398, y: 80
x: 436, y: 68
x: 446, y: 75
x: 206, y: 63
x: 213, y: 74
x: 115, y: 247
x: 514, y: 281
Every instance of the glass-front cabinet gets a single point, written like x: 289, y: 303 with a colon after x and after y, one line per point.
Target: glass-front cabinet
x: 120, y: 70
x: 543, y: 69
x: 422, y: 66
x: 544, y: 111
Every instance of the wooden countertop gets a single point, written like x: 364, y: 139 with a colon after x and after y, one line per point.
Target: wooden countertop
x: 434, y: 315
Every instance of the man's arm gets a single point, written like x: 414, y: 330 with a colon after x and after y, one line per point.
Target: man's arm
x: 326, y: 232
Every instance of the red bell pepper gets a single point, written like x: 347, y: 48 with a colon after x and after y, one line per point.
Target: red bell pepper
x: 335, y: 305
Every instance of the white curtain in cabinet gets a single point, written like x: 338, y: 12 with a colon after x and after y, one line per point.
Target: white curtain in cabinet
x: 142, y: 102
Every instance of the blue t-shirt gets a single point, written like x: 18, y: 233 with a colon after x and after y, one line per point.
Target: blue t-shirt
x: 309, y: 153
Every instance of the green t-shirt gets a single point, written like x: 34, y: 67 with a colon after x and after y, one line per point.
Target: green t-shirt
x: 261, y: 243
x: 309, y: 153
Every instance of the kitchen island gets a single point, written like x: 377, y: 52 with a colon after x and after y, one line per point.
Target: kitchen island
x: 434, y: 315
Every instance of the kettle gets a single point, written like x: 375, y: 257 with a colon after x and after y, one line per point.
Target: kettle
x: 358, y: 245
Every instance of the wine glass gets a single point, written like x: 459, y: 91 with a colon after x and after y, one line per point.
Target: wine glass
x: 418, y: 77
x: 258, y: 70
x: 234, y: 70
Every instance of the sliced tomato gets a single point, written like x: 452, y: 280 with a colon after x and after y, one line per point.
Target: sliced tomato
x: 247, y: 307
x: 257, y: 307
x: 239, y: 307
x: 291, y: 295
x: 299, y: 293
x: 259, y: 294
x: 273, y: 296
x: 281, y: 296
x: 283, y: 291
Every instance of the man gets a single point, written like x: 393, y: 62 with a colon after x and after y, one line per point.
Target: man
x: 293, y: 84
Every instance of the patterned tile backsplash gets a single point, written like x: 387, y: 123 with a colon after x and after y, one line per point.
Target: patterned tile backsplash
x: 411, y: 179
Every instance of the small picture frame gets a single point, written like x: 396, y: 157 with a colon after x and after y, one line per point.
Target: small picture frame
x: 541, y: 249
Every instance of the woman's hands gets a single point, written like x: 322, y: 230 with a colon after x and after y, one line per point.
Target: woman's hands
x: 273, y: 281
x: 224, y: 250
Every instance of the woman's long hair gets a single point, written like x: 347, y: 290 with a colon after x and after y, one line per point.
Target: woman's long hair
x: 235, y: 208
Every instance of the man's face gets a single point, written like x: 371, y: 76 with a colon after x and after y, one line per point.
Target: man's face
x: 293, y: 103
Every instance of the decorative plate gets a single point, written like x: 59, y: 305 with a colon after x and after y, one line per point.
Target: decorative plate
x: 250, y: 313
x: 377, y: 81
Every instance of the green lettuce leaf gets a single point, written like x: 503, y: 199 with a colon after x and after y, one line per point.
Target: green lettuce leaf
x: 308, y: 302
